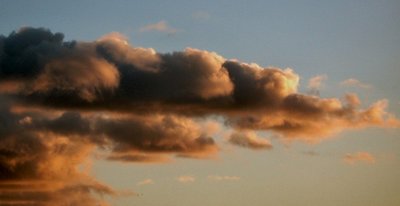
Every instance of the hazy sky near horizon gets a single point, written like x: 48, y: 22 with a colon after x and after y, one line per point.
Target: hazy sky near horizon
x: 329, y: 137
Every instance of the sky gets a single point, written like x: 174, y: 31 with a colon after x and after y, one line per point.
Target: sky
x: 199, y: 103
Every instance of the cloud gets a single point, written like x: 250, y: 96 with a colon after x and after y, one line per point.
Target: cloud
x: 359, y: 157
x: 249, y: 140
x: 161, y: 26
x: 355, y: 83
x: 316, y: 82
x: 186, y: 179
x: 61, y: 100
x: 146, y: 182
x: 223, y: 178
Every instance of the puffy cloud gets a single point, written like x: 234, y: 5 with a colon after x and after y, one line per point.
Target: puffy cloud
x: 155, y: 134
x: 355, y: 83
x: 250, y: 140
x: 359, y: 157
x: 311, y: 119
x: 42, y: 169
x: 161, y: 26
x: 60, y: 100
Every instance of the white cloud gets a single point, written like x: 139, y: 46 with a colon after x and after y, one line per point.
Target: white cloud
x: 161, y: 26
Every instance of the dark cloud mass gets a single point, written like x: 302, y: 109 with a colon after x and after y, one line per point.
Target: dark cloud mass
x: 62, y: 100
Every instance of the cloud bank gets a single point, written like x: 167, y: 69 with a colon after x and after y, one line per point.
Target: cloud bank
x: 61, y: 100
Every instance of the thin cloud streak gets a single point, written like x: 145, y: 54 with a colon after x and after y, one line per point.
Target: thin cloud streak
x: 352, y: 82
x: 146, y: 182
x: 223, y: 178
x: 359, y: 157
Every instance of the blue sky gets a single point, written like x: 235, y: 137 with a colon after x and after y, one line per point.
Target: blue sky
x: 338, y: 39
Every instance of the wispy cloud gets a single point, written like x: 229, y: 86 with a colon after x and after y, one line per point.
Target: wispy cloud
x: 186, y: 179
x: 146, y: 182
x: 352, y: 82
x: 316, y: 82
x: 359, y: 157
x: 223, y: 178
x: 161, y: 26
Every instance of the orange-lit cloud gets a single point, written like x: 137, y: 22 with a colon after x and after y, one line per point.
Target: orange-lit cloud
x: 250, y: 140
x: 60, y: 100
x: 359, y: 157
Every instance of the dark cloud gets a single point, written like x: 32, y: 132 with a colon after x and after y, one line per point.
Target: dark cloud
x: 60, y: 100
x: 156, y: 134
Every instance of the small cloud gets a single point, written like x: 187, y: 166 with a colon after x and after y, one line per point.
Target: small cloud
x: 317, y: 81
x: 161, y: 26
x: 355, y: 83
x: 185, y: 179
x: 359, y: 157
x: 146, y: 182
x: 26, y: 120
x: 250, y: 140
x: 201, y: 15
x: 223, y: 178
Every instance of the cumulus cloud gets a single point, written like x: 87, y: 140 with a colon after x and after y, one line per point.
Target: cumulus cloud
x: 186, y: 179
x: 161, y: 26
x: 359, y: 157
x: 352, y: 82
x: 60, y: 100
